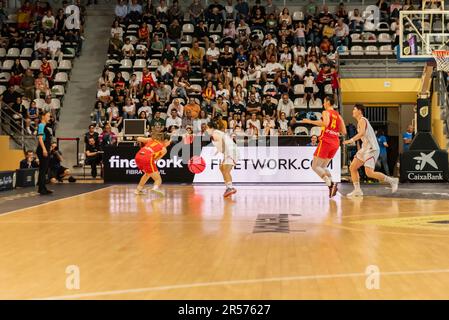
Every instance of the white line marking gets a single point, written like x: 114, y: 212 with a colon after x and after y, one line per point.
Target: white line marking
x: 237, y: 282
x: 51, y: 202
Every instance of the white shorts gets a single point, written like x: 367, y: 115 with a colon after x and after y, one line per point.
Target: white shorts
x: 368, y: 156
x: 231, y: 156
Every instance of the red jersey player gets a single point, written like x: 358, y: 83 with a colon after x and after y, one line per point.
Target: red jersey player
x: 332, y: 126
x: 153, y: 150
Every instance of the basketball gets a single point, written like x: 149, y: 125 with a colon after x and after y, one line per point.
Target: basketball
x: 196, y: 164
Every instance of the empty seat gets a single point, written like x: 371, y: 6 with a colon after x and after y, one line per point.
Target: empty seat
x: 39, y: 103
x: 355, y: 37
x: 2, y: 89
x: 299, y: 103
x: 4, y: 77
x: 386, y: 50
x: 7, y: 65
x: 357, y: 51
x: 298, y: 16
x: 140, y: 64
x: 188, y: 28
x: 25, y: 64
x: 315, y: 131
x: 371, y: 51
x: 61, y: 77
x: 384, y: 37
x: 56, y: 103
x: 13, y: 53
x: 328, y: 89
x: 65, y: 65
x: 298, y: 89
x: 36, y: 65
x: 186, y: 40
x: 126, y: 64
x: 26, y: 53
x: 58, y: 90
x: 2, y: 53
x: 301, y: 131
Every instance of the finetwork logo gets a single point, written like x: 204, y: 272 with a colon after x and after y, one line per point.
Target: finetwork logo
x: 115, y: 162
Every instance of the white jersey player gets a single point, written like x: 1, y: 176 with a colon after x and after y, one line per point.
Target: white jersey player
x: 228, y: 148
x: 367, y: 155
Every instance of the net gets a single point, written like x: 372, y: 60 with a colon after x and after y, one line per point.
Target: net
x: 442, y: 59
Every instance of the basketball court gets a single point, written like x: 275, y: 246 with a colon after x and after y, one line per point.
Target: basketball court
x: 267, y: 242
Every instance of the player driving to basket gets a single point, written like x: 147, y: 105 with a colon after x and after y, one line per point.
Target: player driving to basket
x: 152, y: 149
x: 332, y: 126
x: 228, y: 148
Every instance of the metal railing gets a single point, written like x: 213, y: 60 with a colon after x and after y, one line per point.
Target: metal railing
x: 15, y: 129
x: 379, y: 68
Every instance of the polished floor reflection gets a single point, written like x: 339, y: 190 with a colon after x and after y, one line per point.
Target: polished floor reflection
x: 267, y: 242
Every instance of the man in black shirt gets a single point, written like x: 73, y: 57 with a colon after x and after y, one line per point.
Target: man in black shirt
x: 210, y: 68
x: 29, y: 161
x: 118, y: 96
x: 236, y: 107
x: 253, y: 106
x: 325, y: 17
x: 168, y: 54
x: 93, y: 156
x: 91, y: 134
x: 10, y: 96
x: 268, y: 107
x: 56, y: 171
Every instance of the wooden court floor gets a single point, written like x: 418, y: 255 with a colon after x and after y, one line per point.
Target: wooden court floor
x: 268, y: 242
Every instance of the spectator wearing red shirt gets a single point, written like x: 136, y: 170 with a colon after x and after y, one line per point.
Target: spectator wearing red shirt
x: 147, y: 77
x: 182, y: 65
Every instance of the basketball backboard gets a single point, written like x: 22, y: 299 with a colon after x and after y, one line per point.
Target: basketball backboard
x: 421, y: 32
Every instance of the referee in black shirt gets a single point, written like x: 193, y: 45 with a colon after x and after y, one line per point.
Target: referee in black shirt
x: 43, y: 149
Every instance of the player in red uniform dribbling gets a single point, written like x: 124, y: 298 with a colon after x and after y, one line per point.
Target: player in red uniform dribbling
x: 153, y: 149
x: 332, y: 126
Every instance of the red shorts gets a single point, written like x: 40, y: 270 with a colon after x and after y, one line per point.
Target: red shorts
x: 326, y: 149
x: 145, y: 162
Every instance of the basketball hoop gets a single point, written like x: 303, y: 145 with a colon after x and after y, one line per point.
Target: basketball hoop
x: 442, y: 59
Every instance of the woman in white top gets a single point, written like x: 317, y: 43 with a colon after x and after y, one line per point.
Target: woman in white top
x: 203, y: 118
x: 222, y: 92
x: 116, y: 28
x: 268, y: 125
x: 285, y: 16
x: 313, y: 65
x: 129, y: 109
x: 239, y: 78
x: 254, y: 68
x: 253, y: 121
x: 298, y: 51
x: 299, y: 68
x: 235, y: 122
x: 229, y: 30
x: 239, y: 92
x: 146, y: 108
x: 106, y: 79
x: 40, y: 46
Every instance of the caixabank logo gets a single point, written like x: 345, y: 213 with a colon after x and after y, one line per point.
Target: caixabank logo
x: 424, y: 166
